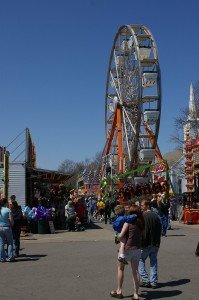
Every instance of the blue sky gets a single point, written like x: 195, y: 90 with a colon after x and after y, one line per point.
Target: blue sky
x: 53, y: 65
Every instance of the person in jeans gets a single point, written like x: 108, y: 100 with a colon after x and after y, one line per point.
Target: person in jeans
x: 150, y: 245
x: 16, y: 229
x: 6, y: 221
x: 163, y: 208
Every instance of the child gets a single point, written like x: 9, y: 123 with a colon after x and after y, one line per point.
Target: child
x: 118, y: 223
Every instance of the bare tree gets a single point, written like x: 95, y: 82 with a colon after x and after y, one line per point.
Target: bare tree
x: 179, y: 122
x: 73, y: 168
x: 76, y: 168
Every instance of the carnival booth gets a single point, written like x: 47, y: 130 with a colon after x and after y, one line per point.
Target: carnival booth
x: 20, y: 177
x: 191, y: 208
x: 46, y: 193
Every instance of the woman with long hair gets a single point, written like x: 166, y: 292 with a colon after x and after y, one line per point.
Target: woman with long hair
x: 6, y: 221
x: 133, y: 234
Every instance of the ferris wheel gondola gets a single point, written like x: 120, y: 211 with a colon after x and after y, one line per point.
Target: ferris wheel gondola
x: 132, y: 101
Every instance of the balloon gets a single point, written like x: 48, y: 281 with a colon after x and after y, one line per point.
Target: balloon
x: 40, y: 213
x: 27, y: 212
x: 47, y: 213
x: 34, y: 213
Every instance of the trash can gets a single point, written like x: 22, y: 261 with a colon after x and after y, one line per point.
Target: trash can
x: 43, y: 226
x: 33, y: 227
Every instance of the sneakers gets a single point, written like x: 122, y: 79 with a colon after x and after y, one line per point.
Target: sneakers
x: 145, y: 284
x: 149, y: 285
x: 10, y: 260
x: 123, y: 260
x: 153, y: 285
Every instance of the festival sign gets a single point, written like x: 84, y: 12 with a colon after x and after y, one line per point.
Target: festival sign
x: 159, y: 172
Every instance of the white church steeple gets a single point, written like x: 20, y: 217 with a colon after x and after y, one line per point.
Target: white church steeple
x: 192, y: 123
x: 192, y: 104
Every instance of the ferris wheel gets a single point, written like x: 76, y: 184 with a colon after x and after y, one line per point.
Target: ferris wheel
x: 132, y: 101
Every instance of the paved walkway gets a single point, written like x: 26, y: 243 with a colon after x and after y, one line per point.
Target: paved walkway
x: 82, y: 266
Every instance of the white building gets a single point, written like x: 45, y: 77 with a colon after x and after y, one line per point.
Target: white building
x: 177, y: 176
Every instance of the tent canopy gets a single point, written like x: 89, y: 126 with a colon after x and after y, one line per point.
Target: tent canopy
x: 48, y: 176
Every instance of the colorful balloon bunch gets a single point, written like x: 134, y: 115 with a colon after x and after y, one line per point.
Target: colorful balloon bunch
x: 41, y: 212
x: 37, y: 213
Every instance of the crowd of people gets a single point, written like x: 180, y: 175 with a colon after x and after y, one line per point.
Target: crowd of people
x: 73, y: 213
x: 138, y: 228
x: 84, y: 210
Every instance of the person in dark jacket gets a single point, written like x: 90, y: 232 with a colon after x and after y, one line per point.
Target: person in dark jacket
x: 151, y: 238
x: 197, y: 250
x: 16, y: 229
x: 163, y: 209
x: 107, y: 212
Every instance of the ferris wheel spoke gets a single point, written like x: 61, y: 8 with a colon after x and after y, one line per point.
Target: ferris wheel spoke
x: 118, y: 79
x: 129, y: 120
x: 115, y: 87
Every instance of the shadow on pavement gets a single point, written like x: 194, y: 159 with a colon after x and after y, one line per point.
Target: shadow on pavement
x: 174, y: 282
x: 176, y: 235
x: 28, y: 238
x: 93, y: 226
x: 25, y: 257
x: 159, y: 294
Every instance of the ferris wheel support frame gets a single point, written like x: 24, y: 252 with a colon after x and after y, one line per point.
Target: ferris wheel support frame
x: 119, y: 138
x: 116, y: 123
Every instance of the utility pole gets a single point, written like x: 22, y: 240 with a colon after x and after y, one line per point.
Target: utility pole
x: 5, y: 173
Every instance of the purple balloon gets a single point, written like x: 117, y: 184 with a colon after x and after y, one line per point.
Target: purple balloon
x: 48, y: 213
x: 34, y: 213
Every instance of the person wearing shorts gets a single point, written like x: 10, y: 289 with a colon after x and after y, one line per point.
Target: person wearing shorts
x: 133, y: 233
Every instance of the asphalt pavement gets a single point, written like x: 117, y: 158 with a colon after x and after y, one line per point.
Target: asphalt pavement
x: 82, y: 266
